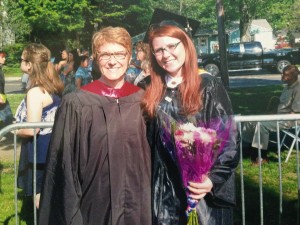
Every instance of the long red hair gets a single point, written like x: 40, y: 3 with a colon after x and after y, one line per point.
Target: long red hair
x: 189, y: 89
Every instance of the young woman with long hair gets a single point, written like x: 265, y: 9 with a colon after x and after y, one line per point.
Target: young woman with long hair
x: 179, y: 96
x: 39, y: 105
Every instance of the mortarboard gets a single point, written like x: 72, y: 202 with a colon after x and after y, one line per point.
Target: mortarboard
x: 162, y: 17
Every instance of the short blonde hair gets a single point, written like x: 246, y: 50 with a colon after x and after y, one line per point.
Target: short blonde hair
x: 110, y: 34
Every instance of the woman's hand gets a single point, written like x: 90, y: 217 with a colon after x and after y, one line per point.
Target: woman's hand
x: 199, y: 190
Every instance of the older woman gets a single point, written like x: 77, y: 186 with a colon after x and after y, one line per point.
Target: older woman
x: 98, y: 170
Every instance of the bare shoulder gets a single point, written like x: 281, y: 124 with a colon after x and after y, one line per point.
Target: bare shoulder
x: 35, y: 91
x: 37, y: 95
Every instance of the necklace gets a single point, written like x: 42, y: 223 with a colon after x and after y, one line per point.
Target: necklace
x: 172, y: 82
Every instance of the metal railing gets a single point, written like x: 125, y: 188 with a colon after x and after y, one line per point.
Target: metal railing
x: 13, y: 128
x: 239, y: 120
x: 259, y: 119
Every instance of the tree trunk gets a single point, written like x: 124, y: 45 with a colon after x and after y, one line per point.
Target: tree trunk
x: 222, y: 43
x: 245, y: 22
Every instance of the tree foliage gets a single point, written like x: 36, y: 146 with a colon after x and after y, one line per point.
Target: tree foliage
x: 203, y: 11
x: 72, y: 23
x: 295, y: 16
x: 13, y: 18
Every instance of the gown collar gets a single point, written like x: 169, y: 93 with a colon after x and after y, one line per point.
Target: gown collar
x: 172, y: 82
x: 102, y: 89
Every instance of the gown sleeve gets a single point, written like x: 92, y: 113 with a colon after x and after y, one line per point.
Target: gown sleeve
x: 219, y: 116
x: 62, y: 207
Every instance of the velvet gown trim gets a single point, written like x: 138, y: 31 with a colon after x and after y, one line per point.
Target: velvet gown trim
x: 102, y: 89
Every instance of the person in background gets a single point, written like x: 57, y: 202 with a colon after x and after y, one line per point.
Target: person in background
x: 39, y: 105
x: 63, y: 62
x: 99, y: 162
x: 142, y: 51
x: 68, y: 73
x: 289, y: 102
x: 24, y: 81
x: 82, y: 76
x: 178, y: 95
x: 72, y: 63
x: 144, y: 78
x: 90, y: 61
x: 85, y: 52
x: 6, y: 116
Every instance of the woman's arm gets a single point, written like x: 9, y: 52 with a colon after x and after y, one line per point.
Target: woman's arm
x: 34, y: 101
x: 69, y: 69
x: 78, y: 83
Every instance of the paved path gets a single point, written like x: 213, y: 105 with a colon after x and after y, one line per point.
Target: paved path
x: 13, y: 85
x: 254, y: 80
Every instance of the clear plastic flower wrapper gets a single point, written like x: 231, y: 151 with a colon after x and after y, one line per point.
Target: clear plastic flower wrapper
x: 194, y: 147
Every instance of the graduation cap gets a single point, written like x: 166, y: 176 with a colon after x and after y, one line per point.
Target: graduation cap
x: 162, y: 17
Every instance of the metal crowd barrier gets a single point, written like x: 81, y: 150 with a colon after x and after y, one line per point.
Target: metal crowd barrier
x: 278, y: 118
x: 12, y: 128
x: 239, y: 120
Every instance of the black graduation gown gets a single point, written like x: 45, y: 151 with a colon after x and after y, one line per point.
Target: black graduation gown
x: 169, y: 197
x: 98, y: 166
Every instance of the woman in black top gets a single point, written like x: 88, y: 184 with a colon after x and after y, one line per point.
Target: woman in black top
x: 5, y: 111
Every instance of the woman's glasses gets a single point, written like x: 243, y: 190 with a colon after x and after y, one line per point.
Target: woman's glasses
x: 22, y: 60
x: 107, y: 55
x: 169, y: 48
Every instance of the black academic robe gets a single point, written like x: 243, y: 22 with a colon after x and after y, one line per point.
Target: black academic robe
x: 98, y: 165
x: 169, y: 197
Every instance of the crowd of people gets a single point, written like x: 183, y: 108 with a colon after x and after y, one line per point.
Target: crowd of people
x: 113, y: 154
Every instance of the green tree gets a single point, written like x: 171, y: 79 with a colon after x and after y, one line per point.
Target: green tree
x: 280, y: 13
x: 203, y: 11
x: 294, y: 16
x: 54, y: 20
x: 244, y: 11
x: 13, y: 18
x: 71, y: 23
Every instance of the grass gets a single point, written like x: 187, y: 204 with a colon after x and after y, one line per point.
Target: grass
x: 12, y: 72
x: 254, y: 101
x: 14, y: 101
x: 7, y: 212
x: 245, y: 101
x: 270, y: 180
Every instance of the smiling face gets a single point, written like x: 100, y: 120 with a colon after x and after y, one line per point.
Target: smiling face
x: 169, y: 56
x: 113, y: 60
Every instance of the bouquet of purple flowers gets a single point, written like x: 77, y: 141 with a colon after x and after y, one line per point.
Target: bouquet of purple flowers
x: 194, y: 146
x: 196, y: 151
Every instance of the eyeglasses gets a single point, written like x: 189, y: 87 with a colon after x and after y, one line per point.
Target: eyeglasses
x: 22, y: 60
x: 169, y: 48
x: 107, y: 56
